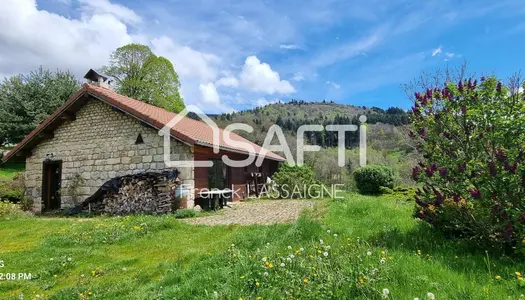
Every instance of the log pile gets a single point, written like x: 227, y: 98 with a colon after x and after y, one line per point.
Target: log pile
x: 148, y: 193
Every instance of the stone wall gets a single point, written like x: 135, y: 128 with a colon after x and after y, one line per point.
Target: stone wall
x: 97, y: 146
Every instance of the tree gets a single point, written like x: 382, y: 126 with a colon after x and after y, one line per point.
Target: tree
x: 471, y: 138
x: 27, y: 100
x: 142, y: 75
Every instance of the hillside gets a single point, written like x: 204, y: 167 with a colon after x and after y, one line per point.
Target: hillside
x: 385, y: 125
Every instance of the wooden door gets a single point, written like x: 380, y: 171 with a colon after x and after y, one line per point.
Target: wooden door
x: 51, y: 184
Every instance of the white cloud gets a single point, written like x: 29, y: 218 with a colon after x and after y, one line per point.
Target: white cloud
x: 227, y: 82
x: 259, y: 77
x: 30, y: 38
x: 333, y: 85
x: 93, y: 7
x: 298, y: 76
x: 264, y: 102
x: 187, y: 61
x: 437, y: 51
x: 289, y: 47
x: 209, y: 94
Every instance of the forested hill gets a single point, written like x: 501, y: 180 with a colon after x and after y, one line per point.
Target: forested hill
x: 295, y: 113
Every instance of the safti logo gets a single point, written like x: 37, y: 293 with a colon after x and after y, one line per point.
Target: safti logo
x: 246, y: 147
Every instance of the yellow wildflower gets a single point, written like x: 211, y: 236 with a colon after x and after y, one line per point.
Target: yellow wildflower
x: 259, y: 298
x: 305, y: 280
x: 90, y: 293
x: 418, y: 252
x: 383, y: 252
x: 257, y: 283
x: 518, y: 274
x: 270, y: 265
x: 498, y: 277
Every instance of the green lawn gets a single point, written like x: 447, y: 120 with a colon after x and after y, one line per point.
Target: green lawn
x: 8, y: 171
x: 368, y: 244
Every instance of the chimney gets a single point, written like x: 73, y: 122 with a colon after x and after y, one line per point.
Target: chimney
x: 98, y: 79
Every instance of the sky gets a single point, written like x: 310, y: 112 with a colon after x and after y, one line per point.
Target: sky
x: 232, y: 55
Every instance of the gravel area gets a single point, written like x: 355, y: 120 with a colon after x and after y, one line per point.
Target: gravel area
x: 260, y: 212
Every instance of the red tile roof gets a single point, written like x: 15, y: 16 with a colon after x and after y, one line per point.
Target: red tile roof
x: 187, y: 130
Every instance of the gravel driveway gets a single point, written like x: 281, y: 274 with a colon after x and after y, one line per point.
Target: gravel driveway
x: 259, y: 212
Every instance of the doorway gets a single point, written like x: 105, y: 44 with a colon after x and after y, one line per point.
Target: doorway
x: 51, y: 182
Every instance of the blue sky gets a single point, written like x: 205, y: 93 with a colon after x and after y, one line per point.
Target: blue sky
x: 232, y: 55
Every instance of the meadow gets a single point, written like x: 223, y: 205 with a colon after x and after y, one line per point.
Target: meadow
x: 362, y: 247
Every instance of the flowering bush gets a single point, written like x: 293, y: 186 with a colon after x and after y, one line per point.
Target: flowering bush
x: 372, y: 178
x: 473, y: 178
x: 10, y: 211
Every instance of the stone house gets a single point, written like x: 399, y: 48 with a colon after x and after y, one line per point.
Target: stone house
x: 98, y: 134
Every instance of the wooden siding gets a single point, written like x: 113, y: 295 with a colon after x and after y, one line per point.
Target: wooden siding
x: 236, y: 177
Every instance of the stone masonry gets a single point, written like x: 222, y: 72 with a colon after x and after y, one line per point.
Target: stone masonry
x: 97, y: 146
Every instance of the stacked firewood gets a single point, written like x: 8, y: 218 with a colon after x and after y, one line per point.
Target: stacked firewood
x: 148, y: 193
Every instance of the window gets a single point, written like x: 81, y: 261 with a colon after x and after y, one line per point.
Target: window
x: 139, y: 140
x: 217, y: 175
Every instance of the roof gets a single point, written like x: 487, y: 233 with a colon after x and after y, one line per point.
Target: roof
x: 187, y: 130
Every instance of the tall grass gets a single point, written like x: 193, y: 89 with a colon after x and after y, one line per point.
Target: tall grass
x: 354, y: 248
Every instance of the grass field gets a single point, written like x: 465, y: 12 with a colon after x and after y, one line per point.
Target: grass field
x: 10, y: 170
x: 354, y: 248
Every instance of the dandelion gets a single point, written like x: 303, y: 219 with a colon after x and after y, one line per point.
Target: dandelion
x: 82, y: 275
x: 385, y: 293
x: 292, y: 256
x: 305, y: 280
x: 382, y: 261
x: 383, y: 252
x: 321, y: 242
x: 517, y: 273
x: 325, y: 254
x: 69, y: 259
x: 335, y: 234
x: 257, y: 283
x: 55, y: 276
x: 328, y: 247
x: 282, y: 265
x: 431, y: 296
x: 265, y: 274
x: 90, y: 293
x: 498, y: 277
x: 259, y: 298
x: 124, y: 269
x: 270, y: 265
x: 233, y: 245
x: 418, y: 252
x: 302, y: 249
x: 288, y: 259
x: 264, y: 259
x: 289, y: 247
x: 368, y: 253
x: 328, y: 231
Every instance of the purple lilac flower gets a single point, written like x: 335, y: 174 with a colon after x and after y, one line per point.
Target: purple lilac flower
x: 492, y: 168
x: 475, y: 193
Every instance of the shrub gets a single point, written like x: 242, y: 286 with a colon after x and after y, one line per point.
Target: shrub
x: 472, y: 140
x: 369, y: 179
x: 292, y: 181
x: 12, y: 190
x: 10, y: 211
x: 185, y: 213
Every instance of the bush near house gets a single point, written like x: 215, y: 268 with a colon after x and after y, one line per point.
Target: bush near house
x: 291, y: 181
x: 374, y: 179
x: 473, y: 174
